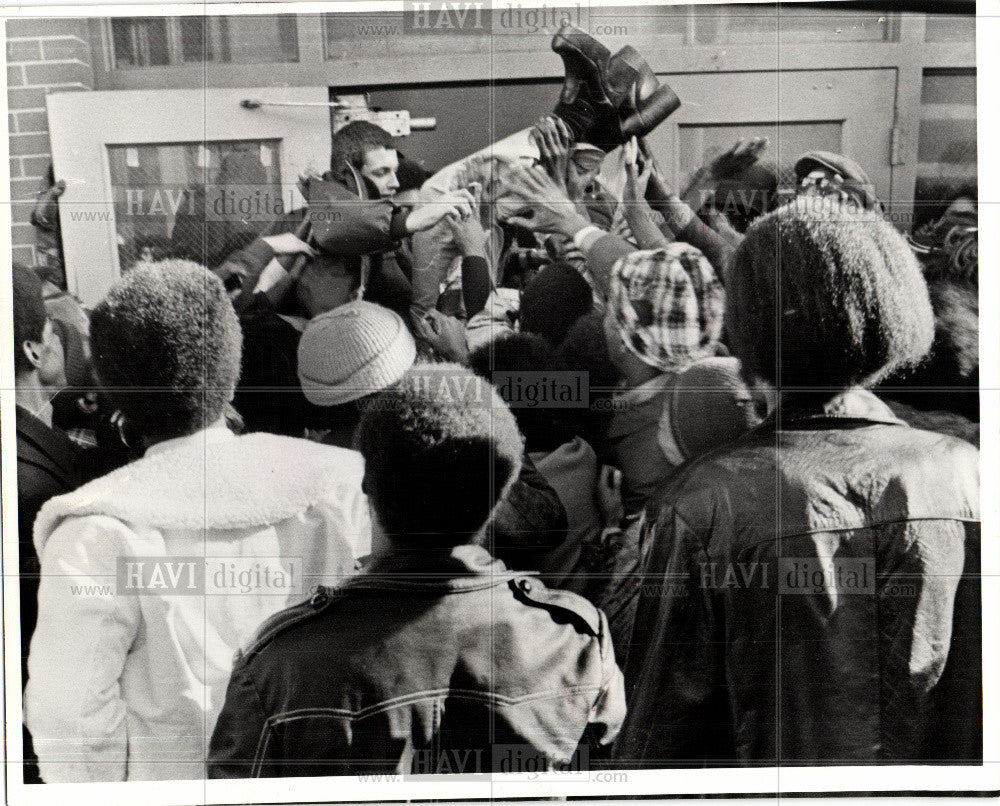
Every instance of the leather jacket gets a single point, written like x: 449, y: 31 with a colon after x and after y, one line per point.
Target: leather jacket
x: 811, y: 594
x: 424, y: 663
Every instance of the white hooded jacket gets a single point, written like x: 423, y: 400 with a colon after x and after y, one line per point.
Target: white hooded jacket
x: 154, y: 575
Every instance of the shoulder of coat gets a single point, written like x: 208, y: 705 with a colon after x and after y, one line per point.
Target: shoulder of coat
x: 320, y: 600
x: 531, y: 591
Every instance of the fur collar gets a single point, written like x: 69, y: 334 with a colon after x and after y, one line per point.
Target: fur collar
x: 238, y: 483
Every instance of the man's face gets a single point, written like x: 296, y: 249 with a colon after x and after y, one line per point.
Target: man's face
x: 51, y: 366
x: 581, y: 172
x: 380, y: 168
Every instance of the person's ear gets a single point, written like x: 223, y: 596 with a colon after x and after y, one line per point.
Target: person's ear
x: 33, y: 352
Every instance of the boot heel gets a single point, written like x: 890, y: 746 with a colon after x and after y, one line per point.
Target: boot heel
x: 652, y: 112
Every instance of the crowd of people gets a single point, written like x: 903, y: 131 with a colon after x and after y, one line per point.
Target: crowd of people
x: 748, y: 532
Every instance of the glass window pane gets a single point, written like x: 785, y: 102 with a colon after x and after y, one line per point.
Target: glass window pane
x: 195, y: 46
x: 200, y: 201
x: 256, y: 39
x: 947, y: 158
x: 949, y: 87
x: 140, y: 41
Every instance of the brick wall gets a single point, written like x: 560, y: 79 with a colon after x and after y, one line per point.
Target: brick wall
x: 43, y: 56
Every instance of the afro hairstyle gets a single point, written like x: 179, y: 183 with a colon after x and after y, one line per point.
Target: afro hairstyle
x: 553, y: 300
x: 823, y: 296
x: 510, y: 355
x: 440, y: 447
x: 166, y: 346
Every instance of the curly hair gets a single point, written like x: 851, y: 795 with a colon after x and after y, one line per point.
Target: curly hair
x: 510, y: 355
x: 166, y: 346
x: 349, y: 145
x: 553, y: 300
x: 824, y: 296
x: 440, y: 449
x: 29, y: 314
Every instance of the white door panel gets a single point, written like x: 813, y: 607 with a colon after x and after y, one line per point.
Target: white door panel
x: 85, y: 124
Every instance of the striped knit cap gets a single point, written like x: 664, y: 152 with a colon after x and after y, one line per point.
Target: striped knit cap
x: 353, y: 351
x: 667, y: 305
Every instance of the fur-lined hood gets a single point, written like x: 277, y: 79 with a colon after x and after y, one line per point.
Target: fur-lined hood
x: 220, y: 482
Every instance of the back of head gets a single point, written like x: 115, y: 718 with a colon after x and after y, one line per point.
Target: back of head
x: 349, y: 145
x: 523, y: 363
x: 166, y: 347
x: 823, y: 296
x: 440, y: 448
x: 709, y: 404
x: 553, y: 300
x: 585, y: 349
x: 353, y: 351
x: 29, y: 314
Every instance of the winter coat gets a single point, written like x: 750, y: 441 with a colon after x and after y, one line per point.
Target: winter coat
x: 810, y: 594
x: 154, y: 575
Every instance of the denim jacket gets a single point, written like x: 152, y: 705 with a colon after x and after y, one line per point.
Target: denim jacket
x: 422, y: 662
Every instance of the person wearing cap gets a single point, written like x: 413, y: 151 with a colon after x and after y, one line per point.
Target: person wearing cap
x: 346, y: 356
x: 833, y: 527
x: 153, y: 575
x: 574, y: 166
x: 437, y: 658
x: 349, y: 355
x: 664, y: 314
x: 823, y: 173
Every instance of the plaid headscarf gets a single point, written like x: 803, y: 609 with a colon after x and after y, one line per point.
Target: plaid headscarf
x: 668, y: 305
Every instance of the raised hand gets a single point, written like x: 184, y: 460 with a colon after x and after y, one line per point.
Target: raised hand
x: 740, y: 156
x: 636, y: 179
x: 469, y: 235
x: 532, y: 199
x: 554, y: 142
x: 445, y: 334
x: 456, y: 203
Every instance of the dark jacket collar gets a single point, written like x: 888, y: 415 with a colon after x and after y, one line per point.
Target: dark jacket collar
x: 852, y: 405
x: 46, y: 447
x: 465, y: 567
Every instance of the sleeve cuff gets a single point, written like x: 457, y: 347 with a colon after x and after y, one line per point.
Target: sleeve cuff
x: 397, y: 224
x: 587, y: 237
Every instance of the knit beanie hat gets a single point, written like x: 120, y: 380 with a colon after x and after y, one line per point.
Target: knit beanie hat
x: 667, y: 305
x: 353, y: 351
x: 708, y: 406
